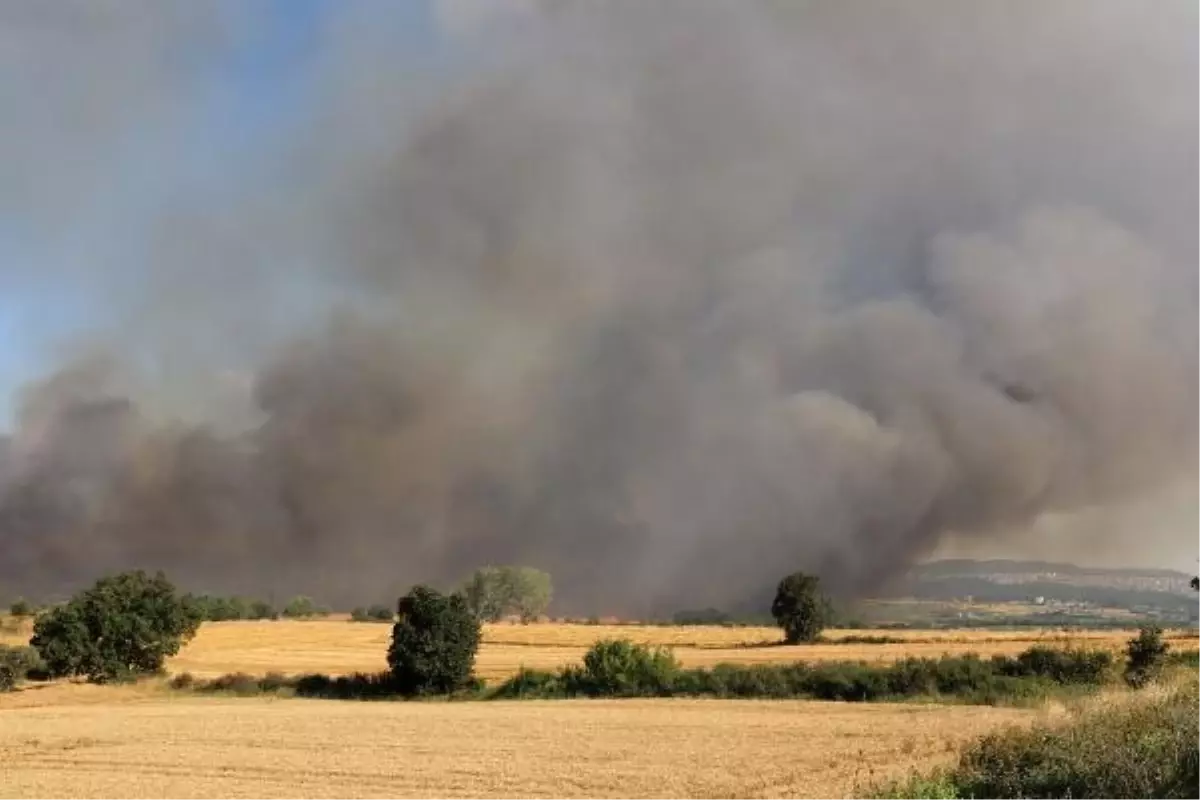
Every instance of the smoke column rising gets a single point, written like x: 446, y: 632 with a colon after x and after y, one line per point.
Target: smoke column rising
x: 664, y: 298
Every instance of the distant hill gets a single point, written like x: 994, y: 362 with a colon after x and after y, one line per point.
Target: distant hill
x: 1000, y: 566
x: 1157, y: 591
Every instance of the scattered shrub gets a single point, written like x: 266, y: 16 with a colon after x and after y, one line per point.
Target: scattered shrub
x: 261, y: 609
x: 214, y: 608
x: 21, y: 608
x: 124, y: 626
x: 1062, y: 666
x: 1146, y: 656
x: 433, y: 644
x: 1142, y: 749
x: 182, y: 681
x: 300, y: 606
x: 530, y: 683
x: 375, y: 613
x: 800, y: 608
x: 18, y: 663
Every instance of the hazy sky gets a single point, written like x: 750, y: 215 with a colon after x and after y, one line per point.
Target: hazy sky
x: 73, y: 206
x: 682, y: 290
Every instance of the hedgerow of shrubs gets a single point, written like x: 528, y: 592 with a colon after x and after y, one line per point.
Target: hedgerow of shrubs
x: 214, y: 608
x: 619, y: 668
x: 1140, y: 749
x: 375, y: 613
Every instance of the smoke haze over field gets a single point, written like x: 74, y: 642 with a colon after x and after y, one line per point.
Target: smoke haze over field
x: 664, y: 298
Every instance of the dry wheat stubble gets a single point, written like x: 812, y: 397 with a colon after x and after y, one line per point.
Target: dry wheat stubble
x: 181, y: 746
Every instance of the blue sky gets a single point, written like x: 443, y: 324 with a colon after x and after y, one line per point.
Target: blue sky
x: 245, y: 103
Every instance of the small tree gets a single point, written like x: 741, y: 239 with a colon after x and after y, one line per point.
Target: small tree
x: 433, y: 643
x: 1147, y: 652
x: 495, y: 592
x: 300, y: 606
x: 800, y: 608
x: 21, y: 608
x: 261, y: 609
x: 528, y: 592
x: 126, y: 625
x: 484, y: 594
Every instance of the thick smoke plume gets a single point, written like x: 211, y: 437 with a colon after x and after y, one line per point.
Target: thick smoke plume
x: 665, y: 298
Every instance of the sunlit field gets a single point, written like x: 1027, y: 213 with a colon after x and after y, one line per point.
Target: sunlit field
x: 334, y: 646
x: 74, y: 739
x: 145, y: 742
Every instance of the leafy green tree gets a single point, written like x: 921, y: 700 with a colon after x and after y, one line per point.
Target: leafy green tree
x: 261, y: 609
x: 529, y: 591
x: 493, y: 593
x: 433, y: 644
x: 300, y: 606
x: 800, y: 608
x: 375, y: 613
x: 21, y: 608
x: 124, y: 626
x: 484, y: 595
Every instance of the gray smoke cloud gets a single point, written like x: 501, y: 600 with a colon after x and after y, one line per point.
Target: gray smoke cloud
x: 665, y: 298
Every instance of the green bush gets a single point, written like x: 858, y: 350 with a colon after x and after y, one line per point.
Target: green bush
x: 299, y: 607
x: 261, y: 609
x: 375, y: 613
x: 1146, y: 656
x: 530, y: 683
x: 1063, y: 666
x: 433, y: 644
x: 18, y: 663
x: 215, y: 608
x: 619, y: 668
x: 21, y: 608
x: 124, y: 626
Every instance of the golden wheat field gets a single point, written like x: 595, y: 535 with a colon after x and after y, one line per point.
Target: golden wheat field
x: 144, y: 742
x: 334, y: 646
x: 71, y: 739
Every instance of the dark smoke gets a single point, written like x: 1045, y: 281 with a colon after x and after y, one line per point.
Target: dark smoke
x: 671, y: 299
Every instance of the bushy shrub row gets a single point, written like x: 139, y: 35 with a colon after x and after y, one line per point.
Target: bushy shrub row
x: 214, y: 608
x: 1147, y: 748
x: 375, y: 613
x: 619, y: 668
x: 358, y: 686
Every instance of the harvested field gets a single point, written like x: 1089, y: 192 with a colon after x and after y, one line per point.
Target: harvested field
x: 139, y: 742
x: 339, y: 647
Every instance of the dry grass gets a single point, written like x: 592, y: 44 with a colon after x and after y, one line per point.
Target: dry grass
x: 70, y: 739
x: 143, y: 744
x: 339, y: 647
